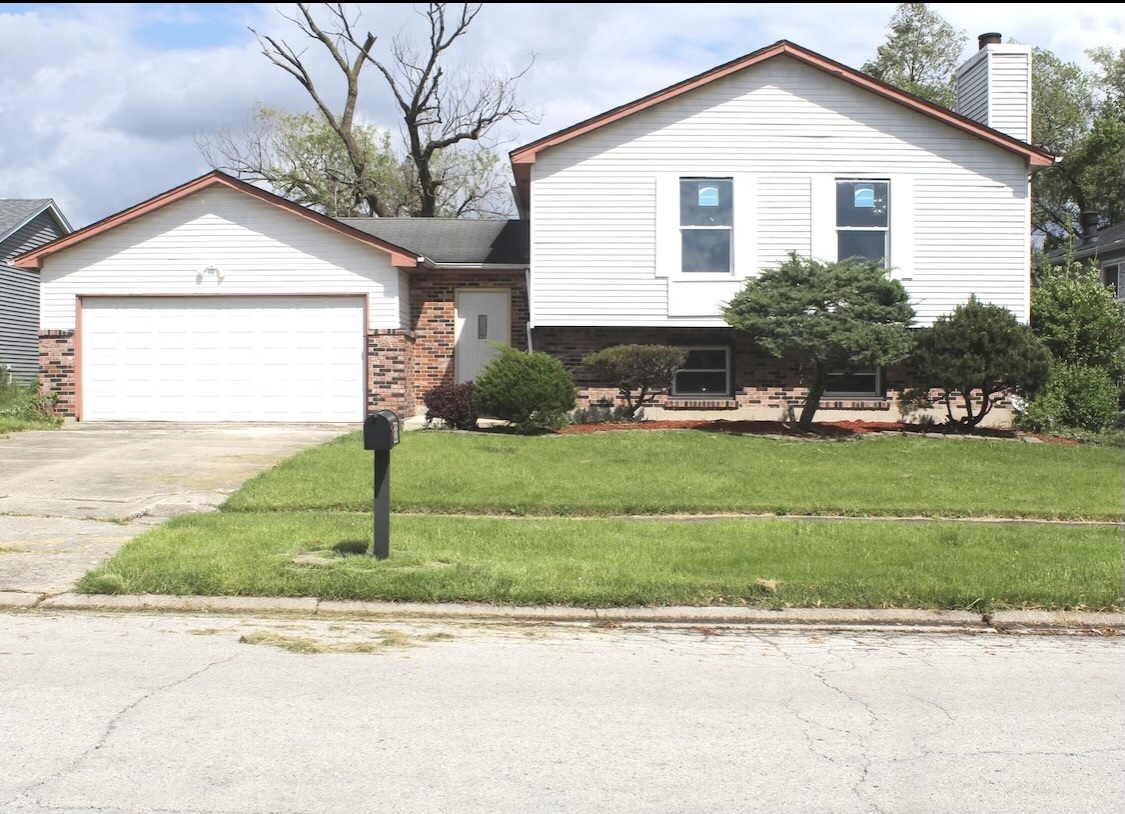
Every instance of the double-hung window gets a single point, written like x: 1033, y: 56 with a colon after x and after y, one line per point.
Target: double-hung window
x: 705, y: 373
x: 862, y: 222
x: 705, y: 225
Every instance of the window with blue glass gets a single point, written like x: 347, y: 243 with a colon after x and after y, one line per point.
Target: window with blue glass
x: 862, y: 221
x: 706, y: 225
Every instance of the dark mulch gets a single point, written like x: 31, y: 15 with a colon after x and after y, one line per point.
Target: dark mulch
x: 827, y: 429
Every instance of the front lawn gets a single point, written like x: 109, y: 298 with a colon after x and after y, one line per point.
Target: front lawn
x: 607, y: 562
x: 692, y: 472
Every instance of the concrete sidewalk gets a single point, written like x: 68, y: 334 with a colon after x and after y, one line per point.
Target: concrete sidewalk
x: 836, y: 618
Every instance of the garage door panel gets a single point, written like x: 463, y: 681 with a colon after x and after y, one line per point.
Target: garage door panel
x: 223, y: 359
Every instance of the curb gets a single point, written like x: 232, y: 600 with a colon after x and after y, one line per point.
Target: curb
x: 841, y: 618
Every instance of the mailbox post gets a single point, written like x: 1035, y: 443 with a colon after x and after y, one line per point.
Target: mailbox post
x: 381, y: 433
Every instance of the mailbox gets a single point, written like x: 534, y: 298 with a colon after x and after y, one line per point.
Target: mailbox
x: 381, y: 431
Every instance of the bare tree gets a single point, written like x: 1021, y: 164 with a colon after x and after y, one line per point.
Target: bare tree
x: 447, y: 119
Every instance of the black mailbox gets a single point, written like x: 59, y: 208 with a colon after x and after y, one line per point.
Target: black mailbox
x: 381, y: 430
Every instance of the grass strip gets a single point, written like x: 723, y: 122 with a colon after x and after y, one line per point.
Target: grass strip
x: 610, y: 562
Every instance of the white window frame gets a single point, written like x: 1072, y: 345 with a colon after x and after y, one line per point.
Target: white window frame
x: 853, y: 394
x: 1117, y: 269
x: 886, y: 230
x: 726, y: 349
x: 706, y: 228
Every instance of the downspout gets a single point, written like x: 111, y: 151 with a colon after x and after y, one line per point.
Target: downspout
x: 527, y: 276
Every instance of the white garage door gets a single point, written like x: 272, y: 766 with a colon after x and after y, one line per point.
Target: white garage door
x: 222, y: 359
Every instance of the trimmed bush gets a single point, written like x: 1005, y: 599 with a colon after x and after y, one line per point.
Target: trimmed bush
x: 1076, y: 397
x: 637, y: 371
x: 454, y: 404
x: 980, y: 348
x: 531, y: 390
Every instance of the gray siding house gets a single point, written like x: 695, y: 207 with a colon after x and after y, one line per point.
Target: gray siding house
x: 25, y: 224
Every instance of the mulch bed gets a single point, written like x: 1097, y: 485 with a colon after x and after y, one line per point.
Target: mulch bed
x: 827, y: 429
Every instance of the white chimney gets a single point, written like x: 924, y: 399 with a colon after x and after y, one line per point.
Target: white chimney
x: 994, y: 86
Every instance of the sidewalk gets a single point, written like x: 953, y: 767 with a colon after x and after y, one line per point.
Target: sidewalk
x: 798, y: 618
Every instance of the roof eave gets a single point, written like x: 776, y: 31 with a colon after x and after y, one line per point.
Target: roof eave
x: 399, y: 257
x: 522, y: 157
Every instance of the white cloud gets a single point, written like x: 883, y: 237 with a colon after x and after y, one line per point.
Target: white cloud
x: 100, y: 104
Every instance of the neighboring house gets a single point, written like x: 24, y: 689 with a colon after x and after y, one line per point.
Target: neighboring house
x: 1105, y: 247
x: 218, y: 301
x: 25, y: 224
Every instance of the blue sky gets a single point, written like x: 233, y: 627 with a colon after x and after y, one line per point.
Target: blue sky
x: 101, y: 104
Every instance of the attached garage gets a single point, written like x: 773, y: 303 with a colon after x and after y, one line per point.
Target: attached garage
x: 220, y: 358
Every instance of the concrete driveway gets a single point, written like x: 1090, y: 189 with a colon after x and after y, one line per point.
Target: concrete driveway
x: 70, y: 498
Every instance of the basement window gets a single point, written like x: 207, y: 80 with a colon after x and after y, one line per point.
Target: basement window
x: 706, y: 372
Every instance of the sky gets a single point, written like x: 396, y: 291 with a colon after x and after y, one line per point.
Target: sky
x: 102, y: 105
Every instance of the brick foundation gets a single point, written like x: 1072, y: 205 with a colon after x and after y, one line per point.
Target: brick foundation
x: 764, y: 387
x: 433, y: 306
x: 57, y: 371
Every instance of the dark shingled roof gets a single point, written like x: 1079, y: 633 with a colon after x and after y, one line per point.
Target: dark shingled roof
x: 1102, y: 242
x: 14, y: 211
x: 453, y: 240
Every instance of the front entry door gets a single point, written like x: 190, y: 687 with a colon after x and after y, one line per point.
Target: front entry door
x: 482, y: 323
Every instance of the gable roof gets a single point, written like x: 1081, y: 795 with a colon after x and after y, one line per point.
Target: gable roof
x: 16, y: 212
x: 1108, y: 240
x: 400, y: 257
x: 523, y: 157
x: 454, y: 241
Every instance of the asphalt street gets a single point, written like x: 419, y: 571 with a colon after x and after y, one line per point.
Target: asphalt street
x: 118, y: 713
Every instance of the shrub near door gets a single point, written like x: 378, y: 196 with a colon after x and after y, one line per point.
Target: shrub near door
x: 531, y: 390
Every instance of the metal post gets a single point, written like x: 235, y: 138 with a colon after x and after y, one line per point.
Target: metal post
x: 382, y: 530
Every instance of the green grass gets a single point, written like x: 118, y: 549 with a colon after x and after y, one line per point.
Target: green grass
x: 695, y: 472
x: 607, y: 562
x: 8, y: 425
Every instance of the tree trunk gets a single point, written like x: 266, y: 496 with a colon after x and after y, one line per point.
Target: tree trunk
x: 812, y: 400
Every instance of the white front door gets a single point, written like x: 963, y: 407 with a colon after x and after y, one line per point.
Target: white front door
x: 483, y: 321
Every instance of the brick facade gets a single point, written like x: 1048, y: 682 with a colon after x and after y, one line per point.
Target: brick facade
x: 390, y: 358
x: 57, y: 371
x: 433, y: 306
x: 763, y: 386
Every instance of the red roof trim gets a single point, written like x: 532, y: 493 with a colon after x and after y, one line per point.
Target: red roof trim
x: 524, y: 156
x: 400, y: 257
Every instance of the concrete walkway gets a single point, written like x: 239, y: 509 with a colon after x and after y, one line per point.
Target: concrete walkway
x: 70, y: 498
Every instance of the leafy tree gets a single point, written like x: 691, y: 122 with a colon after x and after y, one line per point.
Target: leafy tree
x: 1080, y: 117
x: 1077, y: 317
x: 531, y: 390
x: 920, y: 54
x: 448, y: 116
x: 637, y: 371
x: 302, y: 158
x: 980, y: 348
x: 833, y: 317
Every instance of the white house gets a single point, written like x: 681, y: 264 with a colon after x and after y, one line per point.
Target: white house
x: 217, y: 301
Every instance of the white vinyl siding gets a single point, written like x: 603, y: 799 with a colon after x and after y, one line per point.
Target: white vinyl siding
x: 1009, y: 106
x: 598, y: 241
x: 258, y: 248
x: 222, y: 359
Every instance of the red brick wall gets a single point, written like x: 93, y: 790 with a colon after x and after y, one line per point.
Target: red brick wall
x: 759, y: 380
x: 390, y: 356
x: 56, y: 370
x: 433, y: 313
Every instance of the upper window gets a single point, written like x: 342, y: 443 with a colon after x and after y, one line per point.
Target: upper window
x: 705, y: 373
x: 1114, y: 277
x: 705, y: 225
x: 861, y: 219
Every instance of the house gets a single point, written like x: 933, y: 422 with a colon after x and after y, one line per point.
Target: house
x: 219, y: 301
x: 24, y: 225
x: 1105, y: 247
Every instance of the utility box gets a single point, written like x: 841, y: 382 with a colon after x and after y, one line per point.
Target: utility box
x: 381, y: 431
